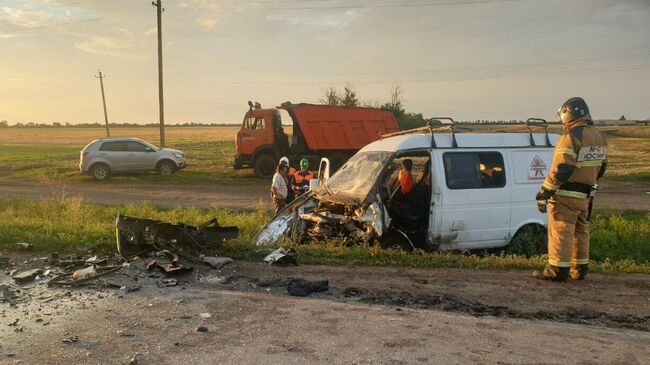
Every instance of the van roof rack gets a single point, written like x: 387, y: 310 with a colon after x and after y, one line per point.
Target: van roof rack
x: 450, y: 126
x: 540, y: 123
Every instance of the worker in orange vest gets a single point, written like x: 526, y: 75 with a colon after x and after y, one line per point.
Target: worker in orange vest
x: 302, y: 178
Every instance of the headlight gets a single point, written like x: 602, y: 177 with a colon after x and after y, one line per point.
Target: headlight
x: 178, y: 155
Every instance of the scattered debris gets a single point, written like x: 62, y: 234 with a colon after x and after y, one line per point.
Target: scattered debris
x: 137, y: 235
x: 25, y: 276
x: 303, y: 288
x: 134, y: 360
x: 84, y: 273
x: 162, y: 283
x: 217, y: 262
x: 282, y: 257
x: 168, y: 262
x: 201, y: 329
x: 205, y: 315
x: 24, y: 246
x: 71, y: 339
x: 7, y: 295
x: 14, y: 323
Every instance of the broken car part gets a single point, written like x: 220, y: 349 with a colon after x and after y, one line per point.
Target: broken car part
x: 282, y: 257
x: 138, y: 235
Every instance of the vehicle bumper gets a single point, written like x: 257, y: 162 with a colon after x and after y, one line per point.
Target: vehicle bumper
x: 242, y: 161
x: 180, y: 164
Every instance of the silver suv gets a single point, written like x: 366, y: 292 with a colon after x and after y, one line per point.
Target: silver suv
x: 103, y: 157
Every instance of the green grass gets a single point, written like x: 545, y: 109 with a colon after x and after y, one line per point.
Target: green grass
x: 620, y: 240
x: 209, y: 163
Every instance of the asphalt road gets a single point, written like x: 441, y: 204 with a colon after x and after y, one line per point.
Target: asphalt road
x: 368, y: 316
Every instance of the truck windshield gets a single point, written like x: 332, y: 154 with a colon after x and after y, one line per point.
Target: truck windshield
x: 357, y: 176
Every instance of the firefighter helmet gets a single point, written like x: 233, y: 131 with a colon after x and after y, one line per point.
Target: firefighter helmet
x: 574, y: 109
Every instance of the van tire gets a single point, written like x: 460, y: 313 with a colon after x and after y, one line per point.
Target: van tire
x: 100, y: 171
x: 392, y: 240
x: 530, y: 240
x: 337, y: 159
x: 265, y: 166
x: 166, y: 167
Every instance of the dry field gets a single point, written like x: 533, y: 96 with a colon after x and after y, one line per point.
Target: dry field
x: 81, y: 136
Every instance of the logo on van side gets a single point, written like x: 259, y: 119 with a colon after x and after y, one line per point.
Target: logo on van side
x: 537, y: 169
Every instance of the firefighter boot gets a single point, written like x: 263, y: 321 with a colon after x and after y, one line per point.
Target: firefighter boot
x: 552, y: 273
x: 579, y: 272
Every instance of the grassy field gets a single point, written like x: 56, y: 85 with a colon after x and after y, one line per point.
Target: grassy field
x: 53, y: 153
x: 620, y: 240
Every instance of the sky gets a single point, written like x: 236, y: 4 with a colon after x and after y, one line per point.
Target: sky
x: 468, y: 59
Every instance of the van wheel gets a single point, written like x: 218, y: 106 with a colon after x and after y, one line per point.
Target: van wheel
x: 265, y: 166
x: 337, y: 159
x: 530, y: 240
x: 393, y: 240
x: 166, y: 167
x: 100, y: 171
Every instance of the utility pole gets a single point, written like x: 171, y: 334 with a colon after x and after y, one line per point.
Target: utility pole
x: 101, y: 84
x: 159, y: 10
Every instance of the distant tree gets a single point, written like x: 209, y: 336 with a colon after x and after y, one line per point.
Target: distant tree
x: 349, y: 96
x: 622, y: 118
x: 396, y: 103
x: 4, y: 123
x: 330, y: 97
x: 56, y: 124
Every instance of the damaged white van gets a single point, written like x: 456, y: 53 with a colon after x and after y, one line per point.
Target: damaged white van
x: 470, y: 191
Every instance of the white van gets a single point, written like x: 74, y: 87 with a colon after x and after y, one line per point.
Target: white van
x: 480, y: 193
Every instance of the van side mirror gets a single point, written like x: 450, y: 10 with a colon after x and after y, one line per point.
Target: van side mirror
x: 324, y: 169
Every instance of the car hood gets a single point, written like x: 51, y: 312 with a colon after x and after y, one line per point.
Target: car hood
x: 171, y: 150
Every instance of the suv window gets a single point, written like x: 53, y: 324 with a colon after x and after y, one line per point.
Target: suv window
x: 135, y: 147
x: 113, y: 146
x: 474, y: 170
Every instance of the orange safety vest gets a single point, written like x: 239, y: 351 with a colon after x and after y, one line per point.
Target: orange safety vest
x: 301, y: 178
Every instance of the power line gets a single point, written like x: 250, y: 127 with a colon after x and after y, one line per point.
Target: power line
x: 376, y: 6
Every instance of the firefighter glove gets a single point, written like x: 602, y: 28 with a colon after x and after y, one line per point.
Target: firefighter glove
x: 542, y: 199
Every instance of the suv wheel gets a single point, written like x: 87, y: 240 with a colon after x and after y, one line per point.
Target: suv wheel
x: 100, y: 171
x: 166, y: 167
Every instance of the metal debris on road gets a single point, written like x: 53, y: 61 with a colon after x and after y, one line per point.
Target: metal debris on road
x: 282, y: 257
x: 25, y: 276
x: 217, y: 262
x: 302, y: 288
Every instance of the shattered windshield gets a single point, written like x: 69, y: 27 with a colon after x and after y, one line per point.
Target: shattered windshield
x: 356, y: 178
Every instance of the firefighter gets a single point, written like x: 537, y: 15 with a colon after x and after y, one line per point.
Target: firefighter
x: 302, y: 178
x: 579, y: 160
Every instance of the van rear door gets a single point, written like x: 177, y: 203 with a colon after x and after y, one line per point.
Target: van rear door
x: 475, y: 209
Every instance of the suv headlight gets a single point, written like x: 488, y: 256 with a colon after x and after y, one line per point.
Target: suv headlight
x: 178, y: 155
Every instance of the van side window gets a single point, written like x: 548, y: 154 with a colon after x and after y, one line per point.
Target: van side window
x: 474, y: 170
x: 113, y: 146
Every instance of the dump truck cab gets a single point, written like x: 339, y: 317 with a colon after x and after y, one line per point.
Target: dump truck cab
x: 318, y: 131
x: 469, y: 191
x: 261, y: 140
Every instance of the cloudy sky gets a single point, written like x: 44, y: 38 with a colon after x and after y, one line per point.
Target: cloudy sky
x: 469, y: 59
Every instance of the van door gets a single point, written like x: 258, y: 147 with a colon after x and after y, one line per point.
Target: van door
x: 475, y: 209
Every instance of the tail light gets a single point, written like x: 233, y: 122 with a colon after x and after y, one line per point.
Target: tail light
x: 84, y: 154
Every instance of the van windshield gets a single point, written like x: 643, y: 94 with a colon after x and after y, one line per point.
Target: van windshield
x: 357, y: 176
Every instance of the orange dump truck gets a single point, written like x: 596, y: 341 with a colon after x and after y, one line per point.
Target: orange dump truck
x: 319, y: 131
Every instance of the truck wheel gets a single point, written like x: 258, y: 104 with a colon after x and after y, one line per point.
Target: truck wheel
x: 265, y: 166
x: 100, y: 171
x: 337, y: 159
x: 530, y: 240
